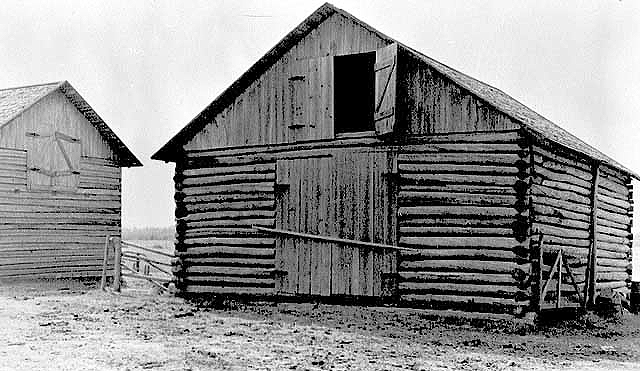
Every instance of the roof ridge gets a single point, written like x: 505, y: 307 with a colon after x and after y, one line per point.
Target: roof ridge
x: 56, y: 83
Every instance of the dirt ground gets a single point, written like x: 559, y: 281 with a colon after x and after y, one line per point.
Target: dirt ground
x: 73, y: 326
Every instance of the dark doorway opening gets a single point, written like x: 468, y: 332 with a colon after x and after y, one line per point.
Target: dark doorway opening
x: 354, y: 95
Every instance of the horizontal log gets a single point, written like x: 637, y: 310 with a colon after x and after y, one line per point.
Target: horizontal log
x: 459, y: 222
x: 611, y: 224
x: 231, y: 223
x: 230, y: 281
x: 233, y: 261
x: 240, y: 205
x: 506, y: 291
x: 469, y: 148
x: 570, y: 179
x: 560, y: 213
x: 501, y: 243
x: 614, y: 247
x: 557, y: 240
x: 99, y: 222
x: 487, y: 159
x: 552, y: 193
x: 228, y: 271
x: 96, y: 209
x: 613, y: 209
x: 56, y: 274
x: 560, y: 232
x: 247, y: 241
x: 229, y: 179
x: 613, y: 239
x: 604, y: 262
x: 458, y: 277
x: 503, y: 136
x: 564, y: 158
x: 232, y: 214
x: 229, y: 197
x: 562, y: 204
x: 561, y: 186
x: 227, y: 250
x: 615, y: 195
x: 201, y: 289
x: 56, y: 238
x: 463, y: 266
x: 462, y: 254
x: 220, y: 170
x: 562, y: 168
x: 459, y: 211
x: 600, y: 253
x: 456, y: 231
x: 561, y: 222
x: 622, y: 204
x: 434, y: 179
x: 221, y: 232
x: 610, y: 285
x: 460, y: 188
x: 607, y: 184
x: 227, y: 188
x: 569, y: 251
x: 443, y: 168
x: 611, y: 276
x: 610, y: 172
x: 618, y: 218
x: 42, y: 216
x: 446, y: 198
x: 615, y: 232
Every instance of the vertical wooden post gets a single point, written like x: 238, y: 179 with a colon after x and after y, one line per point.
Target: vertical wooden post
x: 559, y: 285
x: 117, y: 264
x: 105, y: 263
x: 590, y: 295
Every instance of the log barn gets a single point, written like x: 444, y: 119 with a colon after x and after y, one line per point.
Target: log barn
x: 345, y: 165
x: 60, y: 173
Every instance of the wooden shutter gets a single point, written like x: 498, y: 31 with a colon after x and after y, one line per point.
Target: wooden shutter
x: 384, y: 114
x: 53, y: 161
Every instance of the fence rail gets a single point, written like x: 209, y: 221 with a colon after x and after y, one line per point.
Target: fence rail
x: 136, y: 261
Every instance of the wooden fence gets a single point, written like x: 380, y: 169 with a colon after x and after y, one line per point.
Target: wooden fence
x: 136, y: 261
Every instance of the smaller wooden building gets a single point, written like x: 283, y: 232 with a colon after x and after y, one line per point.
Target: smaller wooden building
x: 344, y: 164
x: 60, y: 183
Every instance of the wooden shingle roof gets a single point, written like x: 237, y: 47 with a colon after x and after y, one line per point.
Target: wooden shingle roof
x: 14, y: 101
x: 531, y: 121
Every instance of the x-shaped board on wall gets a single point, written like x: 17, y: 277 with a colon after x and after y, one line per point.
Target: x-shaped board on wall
x: 53, y: 160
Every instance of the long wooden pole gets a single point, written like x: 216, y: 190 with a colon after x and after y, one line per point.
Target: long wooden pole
x: 105, y: 262
x: 117, y: 264
x: 332, y: 239
x: 590, y: 295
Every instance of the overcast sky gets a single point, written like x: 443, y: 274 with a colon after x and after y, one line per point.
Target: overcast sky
x: 148, y: 67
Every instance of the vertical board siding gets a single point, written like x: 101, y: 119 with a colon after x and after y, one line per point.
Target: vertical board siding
x: 60, y: 234
x: 55, y: 113
x: 263, y: 114
x: 218, y: 200
x: 430, y: 103
x: 462, y: 206
x: 561, y: 194
x: 613, y: 230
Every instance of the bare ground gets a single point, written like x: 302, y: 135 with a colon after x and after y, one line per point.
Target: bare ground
x: 67, y: 325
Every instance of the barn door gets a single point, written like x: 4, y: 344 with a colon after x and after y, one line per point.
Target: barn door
x: 303, y: 266
x: 344, y: 196
x: 559, y: 284
x: 384, y: 115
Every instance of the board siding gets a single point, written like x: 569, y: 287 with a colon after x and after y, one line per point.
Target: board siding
x: 59, y: 234
x: 263, y: 114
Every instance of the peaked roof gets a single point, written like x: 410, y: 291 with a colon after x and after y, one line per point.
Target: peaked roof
x: 531, y: 121
x: 14, y: 101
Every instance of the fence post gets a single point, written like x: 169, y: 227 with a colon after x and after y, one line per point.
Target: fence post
x: 105, y: 263
x: 117, y: 264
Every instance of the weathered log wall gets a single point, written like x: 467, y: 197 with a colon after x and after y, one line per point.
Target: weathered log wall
x: 57, y: 234
x: 463, y: 206
x: 561, y: 198
x: 613, y: 215
x: 217, y: 202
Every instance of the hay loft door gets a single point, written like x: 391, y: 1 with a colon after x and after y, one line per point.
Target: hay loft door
x: 53, y: 160
x: 343, y: 196
x: 384, y: 114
